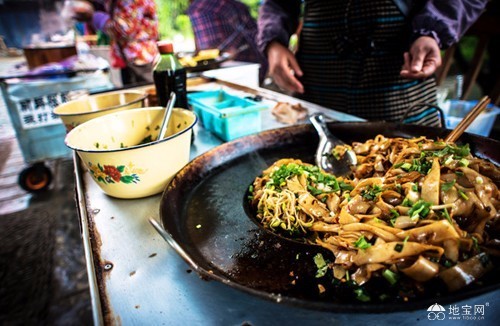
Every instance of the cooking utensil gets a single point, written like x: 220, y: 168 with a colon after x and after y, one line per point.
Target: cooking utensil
x: 166, y: 117
x: 203, y: 211
x: 327, y: 141
x: 468, y: 119
x: 121, y: 154
x: 85, y: 108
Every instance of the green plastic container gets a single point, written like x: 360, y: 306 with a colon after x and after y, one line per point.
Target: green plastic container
x: 227, y: 116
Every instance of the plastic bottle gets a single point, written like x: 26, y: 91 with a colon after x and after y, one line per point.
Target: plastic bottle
x: 169, y: 75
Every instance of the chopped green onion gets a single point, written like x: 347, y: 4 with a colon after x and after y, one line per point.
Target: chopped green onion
x: 362, y: 243
x: 399, y: 247
x: 394, y: 213
x: 390, y: 276
x: 463, y: 195
x: 448, y: 185
x: 321, y: 265
x: 361, y: 295
x: 406, y: 166
x: 459, y: 151
x: 383, y: 297
x: 463, y: 162
x: 447, y: 216
x: 407, y: 202
x: 475, y: 244
x: 345, y: 186
x: 371, y: 192
x: 448, y: 160
x: 419, y: 209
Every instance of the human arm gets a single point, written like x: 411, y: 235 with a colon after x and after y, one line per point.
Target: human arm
x: 439, y: 24
x: 447, y: 20
x: 278, y: 20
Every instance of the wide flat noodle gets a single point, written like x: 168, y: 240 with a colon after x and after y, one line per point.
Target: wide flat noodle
x: 410, y: 202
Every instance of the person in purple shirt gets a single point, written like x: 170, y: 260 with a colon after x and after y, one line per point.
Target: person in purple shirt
x: 228, y: 26
x: 374, y: 59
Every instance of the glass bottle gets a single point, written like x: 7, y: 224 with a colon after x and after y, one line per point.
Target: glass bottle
x: 169, y: 75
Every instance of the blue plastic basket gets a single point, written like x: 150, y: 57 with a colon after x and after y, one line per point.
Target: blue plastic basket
x: 455, y: 111
x: 227, y: 116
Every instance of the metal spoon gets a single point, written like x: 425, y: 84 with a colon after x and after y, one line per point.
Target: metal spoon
x: 166, y: 117
x: 327, y: 142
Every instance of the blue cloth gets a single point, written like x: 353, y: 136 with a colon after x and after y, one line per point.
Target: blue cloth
x: 18, y: 23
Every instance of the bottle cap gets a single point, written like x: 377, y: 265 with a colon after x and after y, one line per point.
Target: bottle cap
x: 165, y: 47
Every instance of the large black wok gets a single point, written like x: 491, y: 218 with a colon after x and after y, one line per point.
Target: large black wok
x: 203, y: 212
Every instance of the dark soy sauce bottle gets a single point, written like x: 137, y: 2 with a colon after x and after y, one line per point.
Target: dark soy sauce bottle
x: 169, y: 75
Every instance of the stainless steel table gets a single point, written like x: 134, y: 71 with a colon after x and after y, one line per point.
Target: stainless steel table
x: 136, y: 278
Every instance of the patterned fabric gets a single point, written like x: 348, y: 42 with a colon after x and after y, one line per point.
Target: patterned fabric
x: 226, y: 25
x: 134, y: 27
x: 351, y: 54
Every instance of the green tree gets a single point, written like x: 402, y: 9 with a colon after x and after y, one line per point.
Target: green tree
x: 170, y: 18
x: 253, y: 6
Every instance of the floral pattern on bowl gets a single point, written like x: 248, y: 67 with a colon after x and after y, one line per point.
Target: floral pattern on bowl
x: 108, y: 174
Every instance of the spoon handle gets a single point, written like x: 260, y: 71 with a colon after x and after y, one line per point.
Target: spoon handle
x: 166, y: 117
x: 318, y: 121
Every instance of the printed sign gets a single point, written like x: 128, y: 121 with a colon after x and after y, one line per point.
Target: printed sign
x: 38, y: 112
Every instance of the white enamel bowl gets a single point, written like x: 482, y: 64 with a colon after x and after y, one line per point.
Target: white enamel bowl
x: 117, y: 150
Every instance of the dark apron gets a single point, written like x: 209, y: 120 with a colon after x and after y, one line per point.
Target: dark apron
x: 351, y: 53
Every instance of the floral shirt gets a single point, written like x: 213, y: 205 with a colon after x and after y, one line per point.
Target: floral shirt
x: 133, y: 27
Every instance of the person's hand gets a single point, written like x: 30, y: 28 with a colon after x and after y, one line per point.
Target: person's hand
x: 82, y: 11
x: 283, y: 67
x: 422, y: 60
